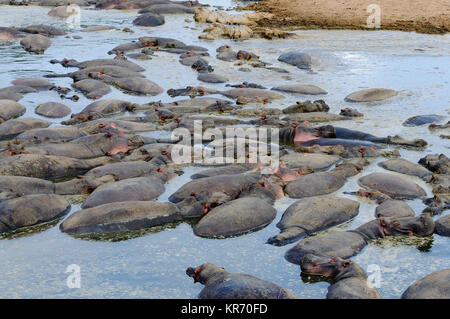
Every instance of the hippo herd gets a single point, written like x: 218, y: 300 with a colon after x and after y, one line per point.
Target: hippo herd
x: 101, y: 154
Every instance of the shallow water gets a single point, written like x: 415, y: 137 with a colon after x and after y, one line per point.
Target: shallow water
x: 153, y: 265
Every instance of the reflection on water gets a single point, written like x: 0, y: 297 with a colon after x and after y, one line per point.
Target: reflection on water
x: 151, y: 263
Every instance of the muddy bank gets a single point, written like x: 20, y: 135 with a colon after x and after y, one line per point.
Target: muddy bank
x: 404, y: 15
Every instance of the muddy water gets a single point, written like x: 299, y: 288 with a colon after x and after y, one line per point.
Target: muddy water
x: 152, y: 264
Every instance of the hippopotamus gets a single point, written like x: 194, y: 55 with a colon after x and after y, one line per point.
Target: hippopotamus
x: 100, y: 109
x: 121, y: 216
x: 393, y: 208
x: 93, y: 89
x: 212, y: 78
x: 50, y: 134
x: 440, y: 184
x: 35, y: 83
x: 149, y: 20
x: 350, y: 281
x: 202, y: 66
x: 43, y: 29
x: 436, y: 127
x: 161, y: 43
x: 31, y: 210
x: 88, y: 146
x: 307, y: 107
x: 436, y: 204
x: 392, y: 185
x: 110, y: 70
x: 370, y: 95
x: 100, y: 62
x: 193, y: 58
x: 53, y: 110
x: 311, y: 117
x: 236, y: 217
x: 10, y: 109
x: 130, y: 189
x: 196, y: 105
x: 437, y: 163
x: 221, y: 188
x: 48, y: 167
x: 257, y: 95
x: 443, y: 226
x: 36, y: 43
x: 348, y: 111
x: 167, y: 8
x: 305, y: 89
x: 298, y: 59
x: 220, y: 284
x: 420, y: 226
x: 306, y: 160
x: 21, y: 185
x: 136, y: 85
x: 15, y: 127
x: 223, y: 170
x: 246, y: 85
x: 8, y: 34
x: 403, y: 166
x: 190, y: 91
x: 433, y: 286
x: 321, y: 183
x: 423, y: 119
x: 10, y: 94
x: 310, y: 215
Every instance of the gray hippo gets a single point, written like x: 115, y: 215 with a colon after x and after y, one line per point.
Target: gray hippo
x: 8, y: 34
x: 43, y: 29
x: 14, y: 127
x: 433, y: 286
x: 100, y: 62
x: 21, y: 185
x: 220, y: 284
x: 93, y: 89
x: 52, y: 110
x: 403, y: 166
x: 121, y: 216
x: 443, y: 226
x: 298, y: 59
x: 370, y: 95
x: 111, y: 70
x: 236, y: 217
x: 31, y: 210
x: 423, y: 119
x: 392, y: 185
x: 136, y: 85
x: 350, y: 281
x: 437, y: 163
x: 36, y: 43
x: 10, y: 109
x: 48, y: 167
x: 313, y: 214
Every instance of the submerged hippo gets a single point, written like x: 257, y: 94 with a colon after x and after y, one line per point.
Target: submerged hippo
x: 306, y: 89
x: 236, y: 217
x: 8, y: 34
x: 220, y: 284
x: 43, y: 29
x: 130, y: 189
x: 298, y: 59
x: 403, y: 166
x: 31, y: 210
x: 370, y: 95
x: 10, y: 109
x: 15, y: 127
x: 93, y: 89
x: 437, y: 163
x: 48, y: 167
x: 443, y: 226
x: 36, y: 43
x: 310, y: 215
x: 136, y: 85
x: 122, y: 216
x: 433, y: 286
x: 350, y: 281
x: 110, y: 70
x: 392, y: 185
x: 53, y: 110
x: 393, y: 208
x: 21, y: 185
x: 100, y: 62
x: 423, y: 119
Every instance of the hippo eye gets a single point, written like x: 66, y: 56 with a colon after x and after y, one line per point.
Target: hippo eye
x: 345, y: 264
x: 333, y: 260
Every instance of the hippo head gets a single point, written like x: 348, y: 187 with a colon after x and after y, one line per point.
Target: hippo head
x: 204, y: 272
x: 420, y: 226
x: 323, y: 266
x: 333, y: 267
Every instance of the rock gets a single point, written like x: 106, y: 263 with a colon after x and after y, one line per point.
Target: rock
x: 433, y: 286
x: 423, y: 119
x: 35, y: 83
x: 53, y: 109
x: 236, y: 217
x: 31, y: 210
x: 393, y: 208
x: 203, y: 14
x: 392, y: 185
x: 217, y: 31
x: 443, y: 226
x: 36, y: 43
x: 15, y: 127
x: 149, y: 20
x: 403, y: 166
x: 220, y: 284
x: 130, y: 189
x: 306, y: 89
x: 298, y: 59
x: 311, y: 215
x: 122, y: 216
x: 370, y: 95
x: 342, y: 244
x: 10, y: 109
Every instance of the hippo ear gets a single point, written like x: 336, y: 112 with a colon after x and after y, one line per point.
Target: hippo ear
x: 345, y: 264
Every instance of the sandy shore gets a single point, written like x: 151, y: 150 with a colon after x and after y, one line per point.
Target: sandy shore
x: 431, y: 16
